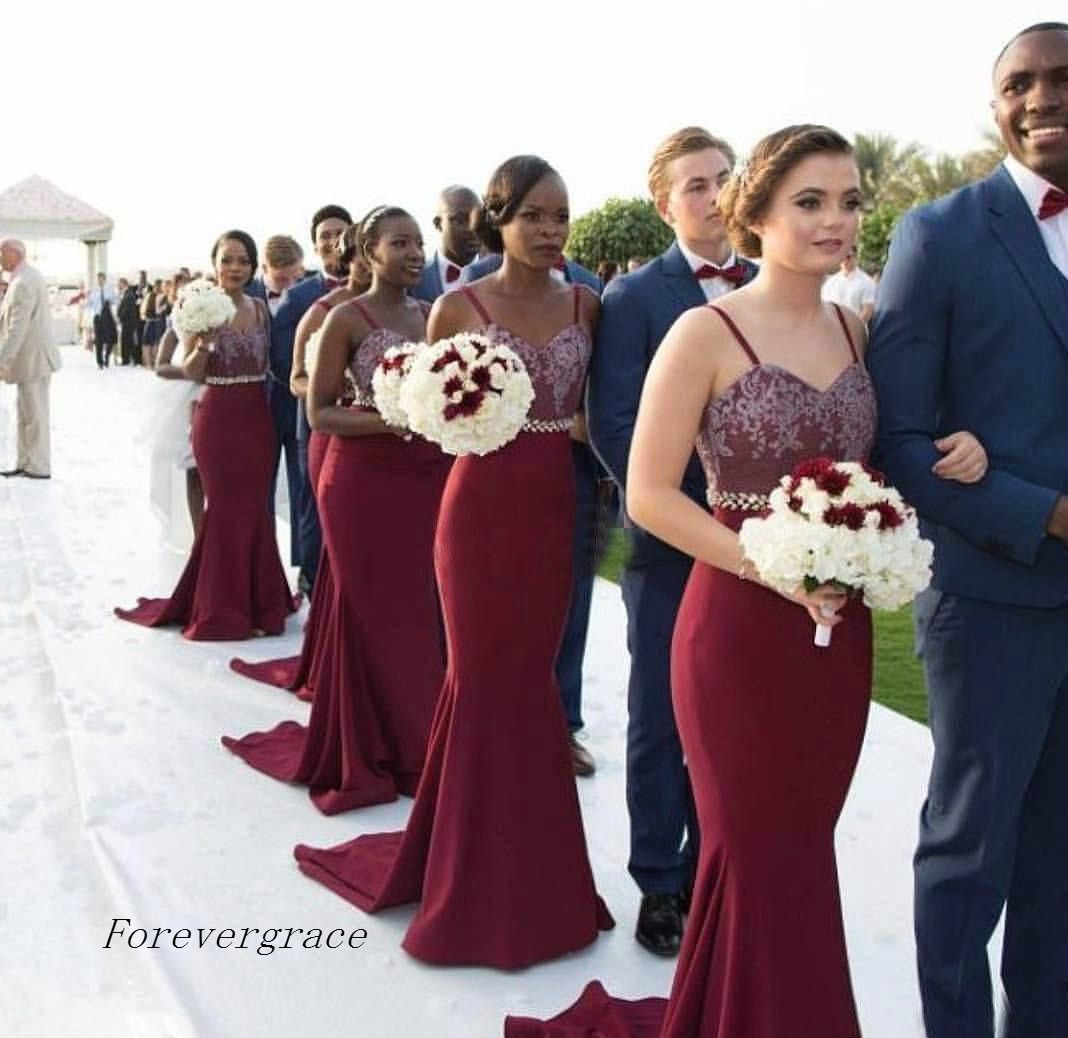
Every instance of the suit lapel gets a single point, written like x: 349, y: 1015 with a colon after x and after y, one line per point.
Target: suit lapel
x: 1014, y: 226
x: 679, y: 278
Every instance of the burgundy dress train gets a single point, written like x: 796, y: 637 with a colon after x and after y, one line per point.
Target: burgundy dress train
x: 233, y: 584
x: 296, y: 673
x: 381, y: 662
x: 772, y: 728
x: 494, y: 847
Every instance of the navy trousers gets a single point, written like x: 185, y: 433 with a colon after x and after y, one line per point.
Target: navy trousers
x: 310, y: 533
x: 994, y: 828
x: 284, y: 418
x: 663, y: 822
x: 573, y: 644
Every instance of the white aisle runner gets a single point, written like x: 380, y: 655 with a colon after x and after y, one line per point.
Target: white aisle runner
x: 116, y: 800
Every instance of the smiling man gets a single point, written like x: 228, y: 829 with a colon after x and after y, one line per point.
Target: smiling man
x: 971, y: 332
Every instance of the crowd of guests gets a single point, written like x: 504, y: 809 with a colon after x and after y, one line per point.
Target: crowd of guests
x: 450, y: 598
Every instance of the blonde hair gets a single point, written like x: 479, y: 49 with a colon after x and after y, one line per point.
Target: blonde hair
x: 746, y: 196
x: 281, y: 250
x: 682, y: 142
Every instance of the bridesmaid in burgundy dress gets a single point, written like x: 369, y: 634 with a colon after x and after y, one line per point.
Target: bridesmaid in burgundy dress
x: 771, y: 725
x: 297, y: 673
x: 233, y: 584
x: 379, y: 495
x: 494, y: 847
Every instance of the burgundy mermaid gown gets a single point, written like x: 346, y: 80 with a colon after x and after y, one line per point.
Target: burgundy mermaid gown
x: 233, y: 584
x: 382, y: 658
x: 494, y: 847
x: 772, y: 728
x: 298, y: 673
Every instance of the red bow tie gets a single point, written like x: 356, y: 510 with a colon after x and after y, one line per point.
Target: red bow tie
x: 271, y: 294
x: 452, y: 273
x: 561, y: 264
x: 735, y: 273
x: 332, y: 282
x: 1054, y: 203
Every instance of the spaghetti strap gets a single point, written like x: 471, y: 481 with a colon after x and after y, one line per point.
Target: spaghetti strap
x: 469, y: 295
x: 366, y: 314
x: 576, y: 291
x: 845, y: 328
x: 737, y: 334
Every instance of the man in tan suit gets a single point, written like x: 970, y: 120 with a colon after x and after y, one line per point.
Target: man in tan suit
x: 28, y: 356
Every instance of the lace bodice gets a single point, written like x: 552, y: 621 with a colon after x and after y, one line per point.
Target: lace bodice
x: 365, y: 358
x: 770, y: 419
x: 239, y: 356
x: 557, y: 369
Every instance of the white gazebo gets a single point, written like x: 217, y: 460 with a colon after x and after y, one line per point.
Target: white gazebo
x: 36, y: 209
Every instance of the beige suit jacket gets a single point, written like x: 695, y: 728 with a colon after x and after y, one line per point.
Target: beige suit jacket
x: 27, y: 346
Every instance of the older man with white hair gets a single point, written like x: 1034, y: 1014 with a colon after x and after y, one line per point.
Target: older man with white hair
x: 28, y: 356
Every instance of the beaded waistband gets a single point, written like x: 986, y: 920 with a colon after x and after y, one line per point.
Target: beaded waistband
x: 737, y: 500
x: 233, y: 380
x: 548, y: 425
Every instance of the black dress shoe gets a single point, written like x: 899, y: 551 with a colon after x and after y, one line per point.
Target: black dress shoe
x: 582, y: 762
x: 659, y: 927
x: 8, y: 473
x: 36, y: 475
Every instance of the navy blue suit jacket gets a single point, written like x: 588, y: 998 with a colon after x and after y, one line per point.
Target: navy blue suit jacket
x: 283, y: 323
x: 574, y: 274
x: 971, y: 332
x: 637, y: 310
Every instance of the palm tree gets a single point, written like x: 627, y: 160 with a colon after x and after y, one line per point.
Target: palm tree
x: 882, y: 162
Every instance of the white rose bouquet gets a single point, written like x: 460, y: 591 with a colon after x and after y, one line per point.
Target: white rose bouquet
x: 839, y: 523
x: 388, y: 379
x: 311, y: 351
x: 201, y: 307
x: 467, y: 394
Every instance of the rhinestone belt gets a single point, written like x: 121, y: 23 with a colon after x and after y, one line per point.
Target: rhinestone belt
x: 548, y: 425
x: 233, y: 380
x: 737, y: 500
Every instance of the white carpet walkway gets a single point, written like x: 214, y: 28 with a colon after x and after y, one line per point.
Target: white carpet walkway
x: 116, y: 800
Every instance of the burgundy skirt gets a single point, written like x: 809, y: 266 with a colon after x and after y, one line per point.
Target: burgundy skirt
x: 296, y: 673
x: 494, y: 848
x: 772, y: 728
x: 233, y: 585
x: 381, y: 660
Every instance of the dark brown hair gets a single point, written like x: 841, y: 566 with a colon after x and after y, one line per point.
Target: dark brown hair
x: 511, y: 182
x: 746, y: 196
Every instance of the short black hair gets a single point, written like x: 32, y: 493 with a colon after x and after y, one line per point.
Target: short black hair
x: 1037, y: 27
x: 250, y: 247
x: 328, y: 212
x: 510, y: 184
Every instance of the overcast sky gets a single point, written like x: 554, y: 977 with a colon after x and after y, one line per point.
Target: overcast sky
x: 234, y: 114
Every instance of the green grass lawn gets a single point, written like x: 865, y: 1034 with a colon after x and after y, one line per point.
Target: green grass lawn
x: 898, y: 675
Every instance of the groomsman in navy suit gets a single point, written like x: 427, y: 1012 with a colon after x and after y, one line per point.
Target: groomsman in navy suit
x: 971, y: 332
x: 587, y: 480
x: 288, y: 298
x: 459, y: 243
x: 638, y: 308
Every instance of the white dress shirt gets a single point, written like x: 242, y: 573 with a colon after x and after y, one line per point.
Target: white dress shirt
x: 97, y: 297
x: 444, y: 265
x: 855, y: 290
x: 1054, y: 229
x: 713, y: 288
